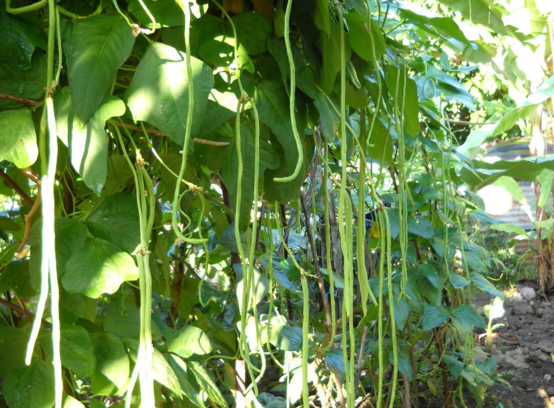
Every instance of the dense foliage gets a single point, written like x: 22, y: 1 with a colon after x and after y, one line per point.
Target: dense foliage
x: 253, y: 203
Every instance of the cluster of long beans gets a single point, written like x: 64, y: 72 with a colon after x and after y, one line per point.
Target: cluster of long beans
x: 48, y: 142
x: 146, y: 211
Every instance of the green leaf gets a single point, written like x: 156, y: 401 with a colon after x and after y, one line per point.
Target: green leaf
x: 285, y: 337
x: 188, y: 341
x: 457, y: 281
x: 122, y: 318
x: 18, y: 138
x: 173, y: 161
x: 161, y: 369
x: 484, y: 285
x: 70, y: 402
x: 206, y: 383
x: 13, y: 346
x: 280, y: 269
x: 464, y: 317
x: 163, y: 373
x: 158, y: 92
x: 431, y: 274
x: 16, y: 277
x: 477, y: 137
x: 18, y: 39
x: 381, y: 139
x: 119, y: 175
x: 445, y: 84
x: 404, y: 365
x: 253, y: 30
x: 454, y: 366
x: 23, y: 84
x: 361, y: 39
x: 401, y: 311
x: 545, y: 179
x: 327, y: 115
x: 278, y: 50
x: 216, y: 118
x: 30, y: 387
x: 188, y: 297
x: 510, y: 228
x: 116, y: 221
x: 180, y: 370
x: 512, y: 187
x: 71, y: 235
x: 72, y: 305
x: 422, y: 227
x: 482, y: 216
x: 112, y: 364
x: 433, y: 316
x: 335, y: 359
x: 166, y: 12
x: 405, y: 90
x: 219, y: 52
x: 481, y: 12
x: 87, y: 144
x: 75, y: 347
x: 273, y: 108
x: 99, y: 267
x: 330, y: 49
x: 527, y: 169
x: 94, y: 49
x: 444, y: 27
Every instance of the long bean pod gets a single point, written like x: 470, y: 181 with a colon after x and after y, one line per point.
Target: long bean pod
x: 292, y: 99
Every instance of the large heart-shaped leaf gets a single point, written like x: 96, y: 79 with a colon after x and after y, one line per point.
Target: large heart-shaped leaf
x: 158, y: 92
x: 361, y: 40
x: 75, y: 348
x: 188, y: 341
x: 18, y: 137
x: 481, y: 12
x: 183, y: 375
x: 207, y: 384
x: 13, y: 344
x: 253, y: 30
x: 99, y: 267
x: 23, y: 84
x: 87, y: 144
x: 273, y: 107
x: 30, y: 387
x: 166, y: 12
x: 112, y: 364
x: 18, y: 40
x: 434, y: 316
x: 464, y: 316
x: 116, y: 221
x: 71, y: 235
x: 15, y: 277
x: 94, y: 49
x: 123, y: 318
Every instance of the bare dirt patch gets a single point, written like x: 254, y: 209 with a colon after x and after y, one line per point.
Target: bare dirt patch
x: 524, y: 350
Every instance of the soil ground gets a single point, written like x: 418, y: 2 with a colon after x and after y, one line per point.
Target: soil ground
x: 524, y: 350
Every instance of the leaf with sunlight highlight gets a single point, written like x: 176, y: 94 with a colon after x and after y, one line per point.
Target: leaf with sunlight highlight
x: 158, y: 93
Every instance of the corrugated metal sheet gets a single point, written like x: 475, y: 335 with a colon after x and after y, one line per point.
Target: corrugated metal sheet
x: 516, y: 214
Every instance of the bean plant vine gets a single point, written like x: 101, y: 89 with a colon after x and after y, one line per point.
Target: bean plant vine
x: 238, y: 203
